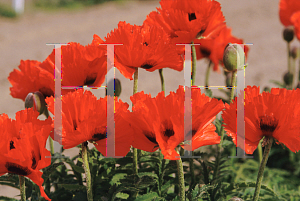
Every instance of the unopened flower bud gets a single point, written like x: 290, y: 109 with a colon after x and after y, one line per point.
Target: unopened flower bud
x: 288, y: 78
x: 35, y: 100
x: 294, y: 52
x: 234, y: 57
x: 288, y: 34
x: 118, y: 87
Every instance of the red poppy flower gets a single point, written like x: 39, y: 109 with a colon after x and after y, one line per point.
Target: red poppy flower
x: 214, y: 48
x: 84, y: 119
x: 286, y: 9
x: 274, y: 114
x: 30, y: 78
x: 185, y: 21
x: 23, y: 144
x: 159, y: 121
x: 295, y: 19
x: 146, y: 47
x: 81, y: 65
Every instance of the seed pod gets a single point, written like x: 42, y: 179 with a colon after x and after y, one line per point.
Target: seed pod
x: 234, y: 57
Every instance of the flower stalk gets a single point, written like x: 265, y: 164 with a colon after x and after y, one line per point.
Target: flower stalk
x: 181, y: 180
x: 87, y: 170
x: 233, y: 82
x: 162, y: 80
x: 194, y: 59
x: 261, y: 169
x: 22, y: 188
x: 135, y: 88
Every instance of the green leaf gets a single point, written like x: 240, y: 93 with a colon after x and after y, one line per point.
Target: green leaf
x: 72, y: 187
x: 147, y: 197
x: 7, y: 198
x: 122, y: 195
x: 116, y: 178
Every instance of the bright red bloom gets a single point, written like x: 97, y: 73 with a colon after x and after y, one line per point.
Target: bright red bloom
x: 84, y: 119
x: 185, y: 21
x: 23, y: 144
x: 214, y: 48
x: 159, y: 121
x: 81, y: 65
x: 295, y: 19
x: 30, y: 78
x: 146, y: 47
x: 274, y: 114
x: 286, y: 9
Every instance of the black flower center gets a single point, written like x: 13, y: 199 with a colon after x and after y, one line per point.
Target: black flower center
x: 17, y: 169
x: 90, y: 79
x: 268, y: 124
x: 34, y: 160
x: 145, y: 43
x: 74, y: 125
x: 199, y: 34
x: 168, y: 132
x: 205, y: 52
x: 150, y: 136
x: 98, y: 136
x: 192, y: 16
x: 11, y: 145
x: 147, y: 66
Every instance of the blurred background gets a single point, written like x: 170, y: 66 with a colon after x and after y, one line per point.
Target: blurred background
x: 24, y: 36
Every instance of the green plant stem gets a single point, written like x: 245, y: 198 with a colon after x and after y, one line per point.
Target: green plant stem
x: 207, y: 74
x: 135, y: 88
x: 181, y: 180
x: 290, y: 68
x: 162, y: 80
x: 261, y: 169
x: 194, y: 59
x: 84, y: 150
x: 222, y: 136
x: 22, y: 188
x: 162, y: 172
x: 233, y: 82
x: 259, y: 152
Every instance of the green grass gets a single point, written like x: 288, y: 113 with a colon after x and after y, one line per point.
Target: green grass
x: 7, y: 11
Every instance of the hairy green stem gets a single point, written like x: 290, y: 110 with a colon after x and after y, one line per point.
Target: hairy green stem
x: 259, y: 152
x: 261, y: 169
x: 84, y: 150
x: 181, y: 180
x: 162, y: 80
x: 162, y: 172
x: 194, y: 59
x: 233, y: 82
x: 207, y: 74
x: 22, y: 188
x: 135, y: 89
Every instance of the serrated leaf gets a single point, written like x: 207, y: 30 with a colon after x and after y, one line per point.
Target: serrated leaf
x: 149, y: 174
x: 147, y: 197
x: 7, y: 198
x: 116, y: 178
